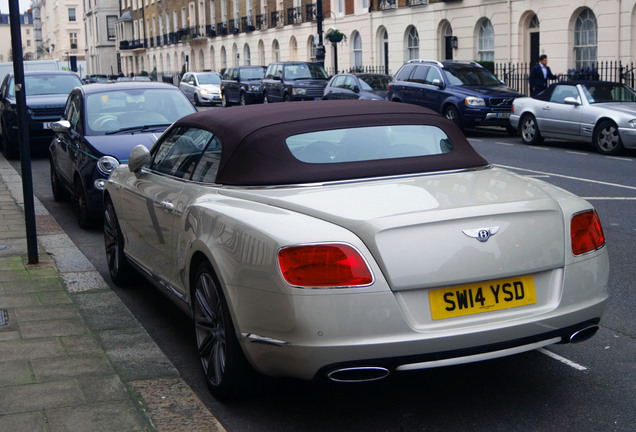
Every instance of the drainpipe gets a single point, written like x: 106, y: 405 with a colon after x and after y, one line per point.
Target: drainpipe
x: 510, y: 30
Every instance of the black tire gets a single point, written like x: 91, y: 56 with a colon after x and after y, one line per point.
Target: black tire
x: 529, y: 130
x: 224, y: 102
x: 607, y: 140
x: 59, y: 192
x: 286, y: 98
x: 451, y: 113
x: 119, y: 268
x: 243, y: 102
x: 227, y: 372
x: 8, y: 150
x: 197, y: 102
x: 512, y: 131
x: 266, y: 98
x: 80, y: 202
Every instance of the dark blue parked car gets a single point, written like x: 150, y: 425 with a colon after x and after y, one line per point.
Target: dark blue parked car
x: 101, y: 124
x: 462, y: 91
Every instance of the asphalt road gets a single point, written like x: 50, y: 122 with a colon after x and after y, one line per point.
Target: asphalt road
x: 583, y: 387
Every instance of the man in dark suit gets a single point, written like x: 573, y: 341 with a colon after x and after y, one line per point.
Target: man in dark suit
x: 539, y: 76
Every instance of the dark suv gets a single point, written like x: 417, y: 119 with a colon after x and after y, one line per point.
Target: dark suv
x: 293, y: 81
x: 464, y: 92
x: 242, y: 85
x: 46, y: 94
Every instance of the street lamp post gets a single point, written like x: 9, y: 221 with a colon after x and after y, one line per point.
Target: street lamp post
x: 320, y: 49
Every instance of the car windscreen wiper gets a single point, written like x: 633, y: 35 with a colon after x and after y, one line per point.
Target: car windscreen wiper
x: 139, y: 128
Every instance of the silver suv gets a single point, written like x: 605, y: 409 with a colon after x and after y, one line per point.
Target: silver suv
x: 202, y: 87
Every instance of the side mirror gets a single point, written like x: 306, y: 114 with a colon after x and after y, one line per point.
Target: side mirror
x: 61, y: 126
x: 277, y: 78
x: 438, y: 82
x: 571, y: 101
x: 139, y: 156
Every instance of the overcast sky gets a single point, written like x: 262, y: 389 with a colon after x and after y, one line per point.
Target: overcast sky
x: 24, y: 6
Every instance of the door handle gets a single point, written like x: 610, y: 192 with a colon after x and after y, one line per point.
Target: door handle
x: 166, y: 205
x: 546, y: 108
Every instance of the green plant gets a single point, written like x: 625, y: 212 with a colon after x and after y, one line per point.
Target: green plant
x: 335, y: 35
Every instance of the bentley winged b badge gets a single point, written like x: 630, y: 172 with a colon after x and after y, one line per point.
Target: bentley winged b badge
x: 481, y: 234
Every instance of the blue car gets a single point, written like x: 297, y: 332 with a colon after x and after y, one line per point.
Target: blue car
x: 101, y: 124
x: 462, y: 91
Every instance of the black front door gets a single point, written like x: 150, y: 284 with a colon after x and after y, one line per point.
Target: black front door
x: 534, y: 48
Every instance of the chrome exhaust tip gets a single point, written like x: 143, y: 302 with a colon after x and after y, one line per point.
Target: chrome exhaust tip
x: 358, y: 374
x: 584, y: 333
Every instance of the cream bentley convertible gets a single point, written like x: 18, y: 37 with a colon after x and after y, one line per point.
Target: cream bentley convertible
x: 349, y: 240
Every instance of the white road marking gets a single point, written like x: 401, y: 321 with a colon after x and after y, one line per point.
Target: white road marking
x: 576, y: 153
x: 569, y: 177
x: 539, y: 148
x: 505, y: 144
x: 562, y: 359
x: 610, y: 198
x: 620, y: 158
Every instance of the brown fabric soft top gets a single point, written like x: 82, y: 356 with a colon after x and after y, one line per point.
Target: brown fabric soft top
x: 254, y: 151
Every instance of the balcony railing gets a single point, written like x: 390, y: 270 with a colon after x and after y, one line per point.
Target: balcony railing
x: 261, y: 22
x: 275, y: 19
x: 132, y: 44
x: 210, y: 31
x: 234, y: 26
x: 294, y: 15
x: 416, y: 2
x: 221, y: 28
x: 386, y: 4
x: 247, y: 24
x: 310, y: 12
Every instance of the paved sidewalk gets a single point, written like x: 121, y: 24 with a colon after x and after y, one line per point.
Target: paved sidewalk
x: 72, y: 356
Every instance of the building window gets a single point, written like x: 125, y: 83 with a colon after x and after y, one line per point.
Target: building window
x: 486, y: 44
x: 413, y: 44
x: 72, y: 16
x: 73, y: 40
x: 357, y: 50
x: 585, y: 40
x: 110, y: 26
x: 276, y: 51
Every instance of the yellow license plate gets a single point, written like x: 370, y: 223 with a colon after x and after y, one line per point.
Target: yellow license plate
x: 482, y: 297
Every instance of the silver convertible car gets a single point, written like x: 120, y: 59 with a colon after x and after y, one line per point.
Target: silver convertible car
x: 599, y: 112
x: 348, y: 240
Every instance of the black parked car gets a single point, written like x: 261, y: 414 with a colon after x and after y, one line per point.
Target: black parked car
x: 369, y: 86
x: 46, y: 93
x: 463, y: 91
x: 101, y: 124
x: 294, y: 81
x: 242, y: 85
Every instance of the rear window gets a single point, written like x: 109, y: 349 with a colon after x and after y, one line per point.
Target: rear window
x: 47, y: 84
x: 369, y: 143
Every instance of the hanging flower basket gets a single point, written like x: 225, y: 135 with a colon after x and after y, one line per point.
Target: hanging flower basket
x: 335, y: 36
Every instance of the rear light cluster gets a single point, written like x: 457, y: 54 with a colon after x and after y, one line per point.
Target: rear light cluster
x: 586, y: 232
x: 324, y: 265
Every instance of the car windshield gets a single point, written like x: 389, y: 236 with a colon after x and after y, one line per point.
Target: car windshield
x: 470, y: 76
x: 305, y: 71
x: 134, y: 109
x: 252, y: 73
x: 608, y: 92
x: 374, y: 82
x: 369, y: 143
x: 47, y: 84
x: 210, y: 78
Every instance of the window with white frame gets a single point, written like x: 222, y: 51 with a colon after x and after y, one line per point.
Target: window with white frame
x: 585, y: 40
x: 212, y: 12
x: 413, y: 44
x: 73, y: 39
x: 183, y: 18
x: 276, y: 51
x: 175, y: 21
x: 357, y: 50
x: 72, y: 15
x: 486, y: 42
x: 201, y: 21
x: 110, y: 26
x: 247, y: 55
x: 191, y: 15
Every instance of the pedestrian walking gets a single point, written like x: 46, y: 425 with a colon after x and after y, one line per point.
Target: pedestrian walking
x: 539, y: 76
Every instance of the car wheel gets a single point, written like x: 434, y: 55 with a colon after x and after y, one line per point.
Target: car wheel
x: 8, y: 150
x: 197, y: 102
x: 529, y: 130
x: 59, y: 192
x: 451, y: 113
x: 286, y: 98
x: 80, y: 202
x: 224, y: 365
x: 224, y: 102
x: 511, y: 131
x: 118, y: 266
x: 265, y: 98
x: 607, y: 141
x: 243, y: 101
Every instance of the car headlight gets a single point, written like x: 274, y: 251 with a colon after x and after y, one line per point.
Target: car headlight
x: 106, y: 165
x: 299, y: 91
x: 203, y: 92
x: 474, y: 101
x: 632, y: 123
x: 254, y: 88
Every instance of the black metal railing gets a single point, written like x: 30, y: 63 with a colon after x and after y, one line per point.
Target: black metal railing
x: 210, y: 31
x: 516, y: 75
x: 310, y: 12
x: 261, y: 22
x: 233, y: 26
x: 386, y: 4
x: 247, y: 24
x: 221, y: 28
x: 359, y: 69
x: 294, y: 15
x: 275, y: 19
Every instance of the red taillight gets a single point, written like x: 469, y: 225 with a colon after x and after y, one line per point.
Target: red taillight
x: 587, y: 233
x: 323, y: 265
